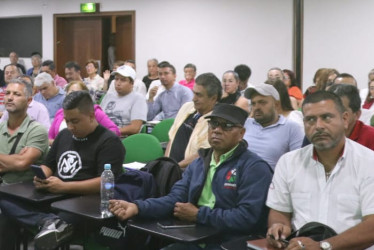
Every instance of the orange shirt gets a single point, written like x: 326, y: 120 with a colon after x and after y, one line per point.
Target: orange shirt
x: 295, y: 92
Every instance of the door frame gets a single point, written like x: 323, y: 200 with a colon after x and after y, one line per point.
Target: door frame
x: 130, y: 13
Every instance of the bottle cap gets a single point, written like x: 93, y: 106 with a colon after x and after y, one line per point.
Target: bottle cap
x: 107, y: 166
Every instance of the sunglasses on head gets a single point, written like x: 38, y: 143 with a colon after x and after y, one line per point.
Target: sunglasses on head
x: 226, y: 126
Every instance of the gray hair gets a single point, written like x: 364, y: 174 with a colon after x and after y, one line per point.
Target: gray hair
x: 43, y: 78
x: 28, y: 87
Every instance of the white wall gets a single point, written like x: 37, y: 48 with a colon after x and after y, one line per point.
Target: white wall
x: 339, y: 34
x: 216, y: 35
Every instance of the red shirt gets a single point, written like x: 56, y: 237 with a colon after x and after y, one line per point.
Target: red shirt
x: 363, y: 134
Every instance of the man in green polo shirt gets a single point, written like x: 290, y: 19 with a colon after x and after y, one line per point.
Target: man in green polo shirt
x: 22, y: 141
x: 224, y: 188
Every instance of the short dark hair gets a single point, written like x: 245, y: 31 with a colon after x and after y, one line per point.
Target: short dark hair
x: 243, y: 71
x: 94, y: 63
x: 191, y: 66
x: 130, y: 61
x: 80, y: 100
x: 165, y: 64
x: 51, y: 65
x: 322, y: 95
x: 349, y: 91
x: 211, y: 84
x: 74, y: 65
x: 345, y: 75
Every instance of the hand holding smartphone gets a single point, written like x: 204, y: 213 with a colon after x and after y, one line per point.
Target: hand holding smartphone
x: 38, y: 172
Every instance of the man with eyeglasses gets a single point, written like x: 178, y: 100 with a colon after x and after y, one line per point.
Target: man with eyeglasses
x: 224, y: 188
x: 268, y: 133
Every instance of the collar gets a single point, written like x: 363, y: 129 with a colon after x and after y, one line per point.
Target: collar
x: 282, y: 120
x: 341, y: 156
x: 21, y: 129
x: 356, y: 130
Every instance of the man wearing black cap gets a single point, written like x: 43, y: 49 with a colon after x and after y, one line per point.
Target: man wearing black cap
x: 224, y: 188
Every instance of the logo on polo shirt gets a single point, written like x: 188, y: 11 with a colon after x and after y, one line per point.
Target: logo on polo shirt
x: 230, y: 180
x: 69, y: 164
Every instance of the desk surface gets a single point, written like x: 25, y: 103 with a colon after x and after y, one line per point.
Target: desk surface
x: 27, y: 191
x: 239, y: 243
x: 87, y: 206
x: 191, y: 234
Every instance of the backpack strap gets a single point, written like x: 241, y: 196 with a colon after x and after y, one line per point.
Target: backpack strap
x: 19, y: 135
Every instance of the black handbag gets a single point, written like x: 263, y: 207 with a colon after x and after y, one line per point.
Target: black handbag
x: 314, y: 230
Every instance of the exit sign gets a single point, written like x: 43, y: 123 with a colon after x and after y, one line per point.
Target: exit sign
x: 90, y: 7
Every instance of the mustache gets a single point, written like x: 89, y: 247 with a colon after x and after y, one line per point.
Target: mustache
x: 318, y: 134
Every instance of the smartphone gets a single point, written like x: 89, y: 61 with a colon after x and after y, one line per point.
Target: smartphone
x: 175, y: 224
x: 38, y: 172
x: 285, y: 242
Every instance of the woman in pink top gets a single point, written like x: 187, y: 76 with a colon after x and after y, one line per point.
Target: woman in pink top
x: 59, y: 122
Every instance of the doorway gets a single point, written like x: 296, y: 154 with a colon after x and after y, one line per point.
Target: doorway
x: 80, y: 37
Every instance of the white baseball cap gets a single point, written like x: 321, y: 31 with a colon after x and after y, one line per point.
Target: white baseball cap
x: 125, y: 71
x: 262, y: 89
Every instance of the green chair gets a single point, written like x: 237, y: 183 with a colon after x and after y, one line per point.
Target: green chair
x: 161, y: 130
x: 142, y: 148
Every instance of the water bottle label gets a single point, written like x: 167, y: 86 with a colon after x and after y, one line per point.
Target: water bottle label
x: 108, y: 185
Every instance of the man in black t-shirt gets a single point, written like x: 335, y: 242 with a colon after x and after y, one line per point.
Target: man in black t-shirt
x: 73, y: 165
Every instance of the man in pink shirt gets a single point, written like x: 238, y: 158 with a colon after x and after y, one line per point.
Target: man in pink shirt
x: 50, y: 68
x: 189, y: 75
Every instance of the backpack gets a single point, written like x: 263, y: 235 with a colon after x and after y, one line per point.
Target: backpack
x: 129, y: 186
x: 315, y: 230
x: 166, y: 172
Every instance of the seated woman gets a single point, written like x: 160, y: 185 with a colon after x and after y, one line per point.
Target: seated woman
x: 296, y: 96
x: 59, y: 122
x: 285, y: 108
x: 368, y: 104
x: 231, y: 93
x: 94, y: 81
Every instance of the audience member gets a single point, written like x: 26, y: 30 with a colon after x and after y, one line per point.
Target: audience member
x: 365, y: 91
x: 244, y: 72
x: 36, y: 61
x: 152, y: 72
x: 94, y: 81
x: 330, y: 181
x: 333, y: 73
x: 22, y: 140
x: 59, y: 122
x: 49, y: 94
x: 275, y: 74
x: 320, y: 80
x: 127, y: 108
x: 368, y: 104
x: 172, y: 99
x: 294, y: 91
x: 49, y: 67
x: 70, y: 168
x: 10, y: 72
x: 224, y: 188
x: 139, y: 86
x: 73, y: 72
x: 189, y: 75
x: 13, y: 57
x: 345, y: 78
x: 36, y: 111
x: 109, y: 78
x: 189, y: 131
x: 269, y: 134
x: 231, y: 93
x: 285, y: 107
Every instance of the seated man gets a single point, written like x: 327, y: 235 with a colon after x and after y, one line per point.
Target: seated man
x: 18, y: 133
x: 269, y: 134
x: 10, y: 72
x: 73, y: 72
x: 36, y: 110
x: 330, y: 181
x: 49, y: 94
x: 73, y: 166
x: 49, y: 67
x: 224, y: 188
x: 171, y: 100
x: 189, y: 131
x: 127, y: 108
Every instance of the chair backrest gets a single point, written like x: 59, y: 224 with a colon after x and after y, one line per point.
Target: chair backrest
x: 161, y: 129
x: 142, y: 148
x: 166, y: 172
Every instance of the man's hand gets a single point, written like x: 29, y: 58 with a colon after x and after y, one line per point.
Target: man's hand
x: 123, y: 209
x: 186, y: 211
x: 52, y: 184
x: 308, y: 243
x: 152, y: 93
x: 106, y: 75
x: 278, y: 231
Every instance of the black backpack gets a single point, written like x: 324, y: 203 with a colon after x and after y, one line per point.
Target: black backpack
x: 166, y: 172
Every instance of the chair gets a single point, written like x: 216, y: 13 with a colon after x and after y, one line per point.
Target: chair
x: 142, y: 148
x: 161, y: 130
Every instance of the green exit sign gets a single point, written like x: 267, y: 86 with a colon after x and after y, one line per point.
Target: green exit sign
x: 89, y: 7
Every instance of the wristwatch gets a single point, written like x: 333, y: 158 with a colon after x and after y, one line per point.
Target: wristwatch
x: 325, y: 245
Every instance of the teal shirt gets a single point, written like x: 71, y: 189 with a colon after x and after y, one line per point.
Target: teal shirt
x: 34, y: 135
x: 207, y: 197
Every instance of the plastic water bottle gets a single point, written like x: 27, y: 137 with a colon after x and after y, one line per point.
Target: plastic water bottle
x: 107, y: 190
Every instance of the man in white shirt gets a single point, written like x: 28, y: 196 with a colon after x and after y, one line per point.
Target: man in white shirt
x: 330, y: 181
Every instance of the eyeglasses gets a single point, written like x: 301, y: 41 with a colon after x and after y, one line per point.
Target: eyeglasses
x: 226, y: 126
